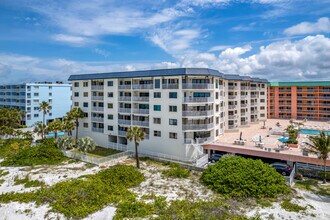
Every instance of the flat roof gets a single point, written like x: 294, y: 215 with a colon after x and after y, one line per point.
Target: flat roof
x: 164, y: 72
x: 301, y: 83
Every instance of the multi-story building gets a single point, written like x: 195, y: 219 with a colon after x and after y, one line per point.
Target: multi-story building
x: 178, y: 109
x: 299, y: 100
x: 28, y: 96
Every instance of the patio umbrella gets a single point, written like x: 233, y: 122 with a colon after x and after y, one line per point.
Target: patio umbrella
x: 240, y: 136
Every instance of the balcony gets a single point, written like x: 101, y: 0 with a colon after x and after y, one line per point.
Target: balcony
x: 232, y: 87
x: 98, y: 109
x: 197, y: 113
x: 285, y: 110
x: 232, y: 97
x: 232, y: 106
x: 198, y: 99
x: 124, y: 110
x: 324, y: 90
x: 140, y: 99
x: 97, y: 98
x: 307, y: 97
x: 142, y: 86
x: 197, y: 86
x: 141, y: 123
x: 253, y: 104
x: 254, y: 120
x: 122, y: 133
x: 243, y: 113
x: 324, y: 97
x: 244, y: 105
x: 254, y: 96
x: 124, y: 122
x: 244, y: 97
x: 324, y: 104
x: 245, y: 88
x: 140, y: 111
x: 254, y: 112
x: 284, y: 90
x: 198, y: 140
x: 171, y: 86
x: 99, y: 130
x: 125, y: 98
x: 232, y: 117
x: 97, y: 87
x: 254, y: 88
x: 97, y: 119
x: 124, y: 86
x: 306, y: 90
x: 194, y: 127
x: 232, y: 126
x: 244, y: 122
x: 308, y: 104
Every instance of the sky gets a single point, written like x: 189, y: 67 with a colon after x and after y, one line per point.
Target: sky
x: 49, y: 40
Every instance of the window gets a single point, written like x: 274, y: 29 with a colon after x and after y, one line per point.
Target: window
x: 262, y: 115
x: 85, y: 125
x: 85, y: 104
x: 110, y: 105
x: 157, y: 95
x: 50, y: 87
x: 50, y: 114
x: 262, y: 100
x: 76, y: 84
x: 173, y: 122
x: 50, y: 94
x: 36, y: 115
x: 157, y: 108
x: 36, y: 87
x: 110, y: 94
x: 85, y: 115
x: 76, y: 104
x: 173, y: 108
x: 262, y: 107
x: 157, y: 83
x: 36, y: 108
x: 110, y: 128
x: 110, y: 117
x: 157, y: 121
x: 76, y: 94
x: 85, y: 94
x: 157, y: 134
x: 110, y: 83
x: 173, y: 95
x: 173, y: 135
x: 36, y: 94
x: 85, y: 84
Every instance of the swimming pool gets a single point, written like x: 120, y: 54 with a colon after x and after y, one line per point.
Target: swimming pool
x: 312, y: 132
x: 59, y: 134
x: 283, y: 139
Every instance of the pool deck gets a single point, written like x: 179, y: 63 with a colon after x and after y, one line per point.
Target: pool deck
x: 226, y: 142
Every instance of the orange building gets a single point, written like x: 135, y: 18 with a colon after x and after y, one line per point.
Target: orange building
x: 299, y: 100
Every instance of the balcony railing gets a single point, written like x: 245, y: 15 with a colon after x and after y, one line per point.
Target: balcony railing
x: 232, y: 106
x: 254, y: 120
x: 141, y: 123
x: 232, y: 126
x: 197, y: 113
x: 142, y: 86
x: 244, y: 123
x: 97, y: 119
x: 232, y: 116
x: 324, y: 97
x: 97, y: 98
x: 232, y: 87
x: 97, y: 87
x: 141, y: 111
x: 307, y: 97
x: 171, y: 86
x: 324, y: 90
x: 124, y: 86
x: 100, y: 130
x: 244, y: 97
x: 244, y: 105
x: 125, y: 98
x: 254, y: 104
x: 198, y: 99
x: 285, y: 110
x: 124, y: 122
x: 98, y: 109
x: 197, y: 86
x: 254, y: 88
x: 306, y: 90
x: 254, y: 96
x: 198, y: 140
x: 140, y: 99
x: 124, y: 110
x: 232, y: 97
x: 254, y: 112
x: 122, y: 133
x: 244, y: 88
x: 197, y: 126
x: 308, y: 104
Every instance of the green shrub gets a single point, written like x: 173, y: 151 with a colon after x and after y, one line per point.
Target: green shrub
x: 321, y: 175
x: 2, y: 181
x: 240, y: 177
x: 134, y: 209
x: 3, y: 173
x: 291, y: 207
x: 10, y: 147
x: 35, y: 155
x: 48, y: 142
x: 27, y: 182
x: 176, y: 171
x: 78, y: 198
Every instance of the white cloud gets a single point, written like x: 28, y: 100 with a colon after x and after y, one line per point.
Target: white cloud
x: 72, y: 40
x: 321, y: 26
x: 219, y: 48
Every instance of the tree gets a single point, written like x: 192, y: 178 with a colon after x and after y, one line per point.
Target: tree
x: 45, y: 108
x: 68, y: 125
x: 86, y: 144
x: 320, y: 145
x: 65, y: 142
x: 38, y: 128
x: 55, y: 127
x: 135, y: 134
x: 10, y: 117
x: 75, y: 114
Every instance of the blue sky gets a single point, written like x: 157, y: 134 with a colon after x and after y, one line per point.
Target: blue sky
x: 274, y: 39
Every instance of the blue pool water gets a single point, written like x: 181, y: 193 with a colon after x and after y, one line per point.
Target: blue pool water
x: 59, y: 134
x: 312, y: 132
x: 283, y: 139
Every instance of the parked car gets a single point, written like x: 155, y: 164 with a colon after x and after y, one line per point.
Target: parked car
x: 282, y: 168
x: 215, y: 157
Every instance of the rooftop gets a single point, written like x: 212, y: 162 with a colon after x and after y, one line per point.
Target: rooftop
x: 305, y: 83
x: 164, y: 72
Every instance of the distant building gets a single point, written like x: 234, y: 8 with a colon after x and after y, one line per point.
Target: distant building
x: 28, y: 96
x: 299, y: 100
x: 178, y: 109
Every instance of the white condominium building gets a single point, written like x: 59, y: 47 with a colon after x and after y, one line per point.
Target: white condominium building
x: 178, y: 109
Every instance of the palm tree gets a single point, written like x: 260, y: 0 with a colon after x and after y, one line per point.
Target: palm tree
x: 75, y: 114
x: 86, y: 144
x: 320, y: 145
x: 45, y: 108
x: 135, y: 134
x: 55, y: 127
x: 38, y: 128
x: 68, y: 125
x: 65, y: 142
